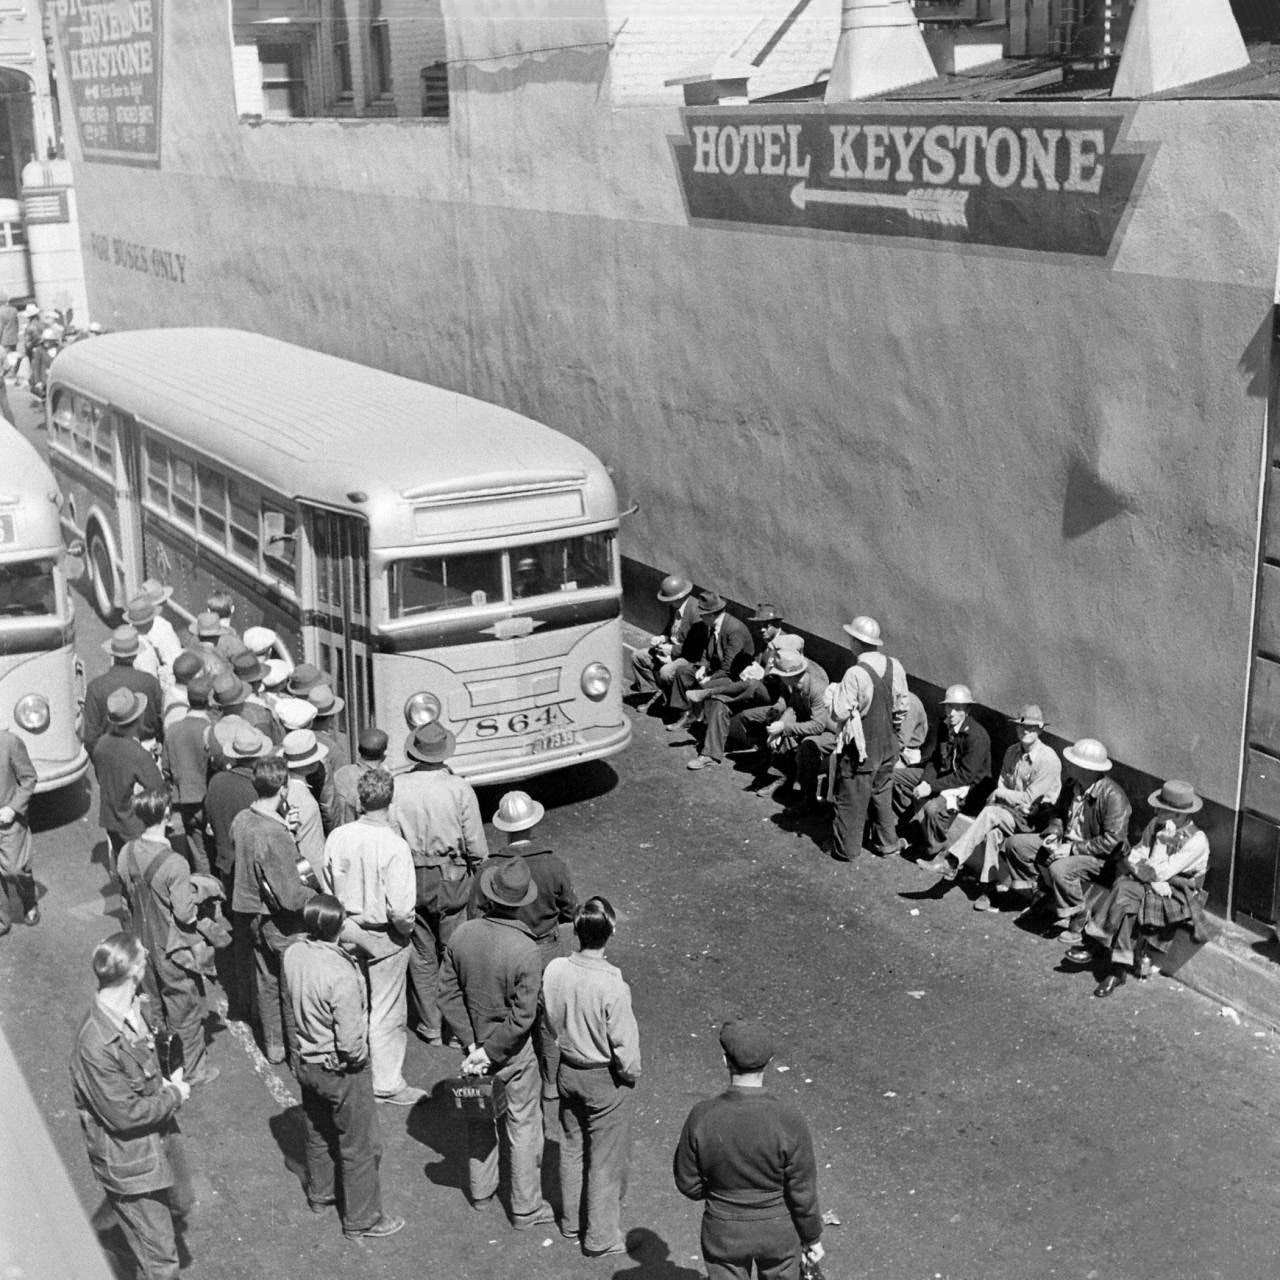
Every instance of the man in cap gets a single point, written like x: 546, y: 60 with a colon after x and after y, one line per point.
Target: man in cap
x: 369, y: 867
x: 343, y: 1140
x: 1157, y: 885
x: 186, y: 666
x: 749, y: 1158
x: 371, y: 753
x: 1025, y: 793
x: 122, y: 674
x: 121, y: 763
x: 861, y: 768
x: 185, y: 762
x: 438, y: 815
x: 653, y: 668
x: 961, y: 761
x: 17, y: 786
x: 489, y: 987
x: 725, y: 647
x: 587, y: 1009
x: 554, y: 904
x: 1080, y: 844
x: 269, y: 890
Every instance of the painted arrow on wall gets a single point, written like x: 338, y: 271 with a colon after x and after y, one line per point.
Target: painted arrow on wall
x: 945, y: 207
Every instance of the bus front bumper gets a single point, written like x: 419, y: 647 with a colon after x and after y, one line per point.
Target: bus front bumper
x: 515, y: 767
x: 60, y: 773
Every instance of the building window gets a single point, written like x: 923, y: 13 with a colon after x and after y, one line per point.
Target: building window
x: 435, y: 91
x: 283, y: 88
x: 379, y: 52
x: 341, y: 49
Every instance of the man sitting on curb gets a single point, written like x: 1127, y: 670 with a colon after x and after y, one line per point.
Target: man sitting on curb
x: 726, y: 651
x: 653, y: 669
x: 1030, y: 780
x: 961, y: 761
x: 1082, y: 841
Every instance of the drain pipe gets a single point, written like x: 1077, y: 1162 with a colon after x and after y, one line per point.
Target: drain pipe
x: 881, y: 49
x: 1171, y: 43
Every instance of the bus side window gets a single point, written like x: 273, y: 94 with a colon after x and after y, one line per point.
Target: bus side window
x: 279, y: 542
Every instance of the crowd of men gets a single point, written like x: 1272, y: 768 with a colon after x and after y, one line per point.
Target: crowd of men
x: 29, y: 340
x: 1050, y: 837
x: 340, y: 907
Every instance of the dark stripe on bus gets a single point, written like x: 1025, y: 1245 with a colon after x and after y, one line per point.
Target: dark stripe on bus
x: 37, y: 640
x: 459, y: 631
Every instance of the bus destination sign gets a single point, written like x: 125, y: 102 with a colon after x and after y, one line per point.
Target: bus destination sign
x: 111, y: 53
x: 1051, y: 184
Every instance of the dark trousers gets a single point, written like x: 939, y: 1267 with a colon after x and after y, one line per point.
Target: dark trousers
x: 431, y: 934
x: 17, y: 890
x: 343, y: 1142
x: 731, y: 1246
x: 275, y: 1015
x: 192, y: 816
x: 812, y: 756
x: 148, y: 1221
x: 737, y: 723
x: 547, y: 1048
x: 935, y: 821
x: 856, y: 788
x: 595, y: 1119
x: 182, y: 998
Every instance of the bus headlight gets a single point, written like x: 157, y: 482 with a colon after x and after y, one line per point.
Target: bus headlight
x: 32, y: 713
x: 422, y: 708
x: 596, y: 679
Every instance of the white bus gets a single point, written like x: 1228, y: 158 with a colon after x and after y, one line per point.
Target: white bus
x: 439, y: 557
x: 41, y: 679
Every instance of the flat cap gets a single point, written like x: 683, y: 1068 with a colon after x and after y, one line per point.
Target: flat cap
x: 747, y: 1045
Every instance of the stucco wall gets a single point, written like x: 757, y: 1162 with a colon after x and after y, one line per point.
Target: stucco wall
x: 1039, y: 471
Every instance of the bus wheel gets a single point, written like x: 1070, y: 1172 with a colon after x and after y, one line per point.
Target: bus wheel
x: 102, y: 576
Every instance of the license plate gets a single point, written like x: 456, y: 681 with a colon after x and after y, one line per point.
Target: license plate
x: 551, y: 741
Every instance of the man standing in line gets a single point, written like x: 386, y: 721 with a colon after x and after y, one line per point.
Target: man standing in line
x: 489, y: 986
x: 269, y: 890
x: 554, y: 904
x: 749, y: 1158
x: 185, y: 761
x: 587, y: 1008
x: 371, y: 748
x: 326, y: 993
x: 17, y: 786
x: 162, y: 901
x: 122, y: 674
x: 438, y: 814
x: 127, y: 1111
x: 301, y: 754
x: 122, y: 764
x: 370, y: 869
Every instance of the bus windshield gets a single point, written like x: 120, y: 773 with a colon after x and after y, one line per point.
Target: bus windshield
x: 432, y: 584
x: 28, y: 589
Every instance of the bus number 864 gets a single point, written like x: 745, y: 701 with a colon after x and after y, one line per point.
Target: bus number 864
x: 524, y: 721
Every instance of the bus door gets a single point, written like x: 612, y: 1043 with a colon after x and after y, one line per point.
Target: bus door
x: 337, y: 616
x: 128, y: 469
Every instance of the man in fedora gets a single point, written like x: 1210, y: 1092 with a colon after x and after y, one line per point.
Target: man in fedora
x: 303, y: 678
x: 654, y: 668
x: 304, y: 754
x: 438, y: 815
x: 266, y: 645
x: 369, y: 868
x: 161, y: 633
x: 206, y: 633
x: 122, y: 674
x: 140, y: 614
x: 1081, y: 843
x: 122, y: 764
x: 371, y: 753
x: 961, y: 761
x: 1022, y: 802
x: 554, y: 904
x: 748, y: 1156
x: 328, y: 728
x: 231, y: 698
x: 489, y: 987
x: 1157, y: 885
x: 249, y: 669
x: 726, y: 649
x: 185, y: 762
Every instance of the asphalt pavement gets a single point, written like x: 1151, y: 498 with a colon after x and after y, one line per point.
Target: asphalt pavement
x: 977, y: 1114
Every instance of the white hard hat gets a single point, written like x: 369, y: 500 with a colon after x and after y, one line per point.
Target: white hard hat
x: 958, y: 695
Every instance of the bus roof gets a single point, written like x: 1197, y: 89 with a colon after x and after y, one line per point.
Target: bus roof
x: 29, y: 497
x: 316, y: 427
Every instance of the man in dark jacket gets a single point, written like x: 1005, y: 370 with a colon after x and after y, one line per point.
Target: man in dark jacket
x: 749, y: 1158
x: 1082, y: 843
x: 727, y: 647
x: 127, y: 1111
x: 17, y: 786
x: 122, y: 674
x: 555, y: 903
x: 489, y: 984
x: 961, y: 762
x: 185, y: 761
x: 121, y: 764
x: 372, y: 751
x: 653, y: 668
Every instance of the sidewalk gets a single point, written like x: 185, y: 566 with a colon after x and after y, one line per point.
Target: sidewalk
x: 1238, y: 969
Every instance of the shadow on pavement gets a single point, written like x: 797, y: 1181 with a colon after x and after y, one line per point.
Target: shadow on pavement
x: 561, y: 789
x: 53, y: 809
x: 436, y: 1125
x: 653, y: 1254
x: 287, y: 1129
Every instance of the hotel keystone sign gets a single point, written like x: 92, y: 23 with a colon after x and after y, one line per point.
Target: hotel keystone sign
x: 1049, y: 184
x: 111, y: 55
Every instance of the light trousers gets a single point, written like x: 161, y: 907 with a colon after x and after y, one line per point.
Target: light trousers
x: 388, y: 1020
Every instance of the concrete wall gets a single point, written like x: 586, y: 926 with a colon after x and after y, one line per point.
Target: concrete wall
x: 1040, y: 471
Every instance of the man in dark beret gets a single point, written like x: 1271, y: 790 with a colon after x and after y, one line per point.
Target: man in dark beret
x: 749, y: 1158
